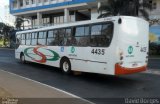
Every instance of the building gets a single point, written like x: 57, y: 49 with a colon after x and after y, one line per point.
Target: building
x: 154, y: 15
x: 155, y: 12
x: 51, y: 12
x: 9, y: 19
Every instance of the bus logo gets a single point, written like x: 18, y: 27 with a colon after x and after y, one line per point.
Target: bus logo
x: 72, y: 49
x: 28, y: 52
x: 130, y: 49
x: 62, y: 49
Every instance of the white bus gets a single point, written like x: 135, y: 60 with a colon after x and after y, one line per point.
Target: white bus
x: 114, y: 45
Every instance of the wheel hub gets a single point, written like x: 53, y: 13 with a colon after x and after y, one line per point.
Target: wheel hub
x: 65, y: 66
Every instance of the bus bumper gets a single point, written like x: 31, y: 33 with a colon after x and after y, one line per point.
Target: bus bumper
x: 119, y: 70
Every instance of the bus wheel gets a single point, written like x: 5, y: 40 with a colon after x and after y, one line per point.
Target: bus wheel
x: 66, y: 66
x: 22, y: 58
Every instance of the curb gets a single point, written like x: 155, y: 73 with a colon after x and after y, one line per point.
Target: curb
x: 6, y: 49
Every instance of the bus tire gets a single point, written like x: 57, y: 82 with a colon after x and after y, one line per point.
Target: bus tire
x: 22, y: 58
x: 65, y: 65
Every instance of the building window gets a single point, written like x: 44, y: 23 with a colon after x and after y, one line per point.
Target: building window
x: 34, y: 22
x: 46, y: 21
x: 61, y: 19
x: 39, y: 1
x: 33, y: 1
x: 27, y: 2
x: 72, y: 18
x: 45, y: 0
x: 15, y: 4
x: 21, y: 3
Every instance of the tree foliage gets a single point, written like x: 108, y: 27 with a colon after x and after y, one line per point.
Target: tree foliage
x: 5, y: 30
x: 124, y: 7
x: 19, y: 23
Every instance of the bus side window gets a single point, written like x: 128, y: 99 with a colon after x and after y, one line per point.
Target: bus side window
x: 23, y: 37
x: 42, y: 38
x: 82, y: 36
x: 101, y: 34
x: 28, y: 39
x: 18, y: 40
x: 34, y: 39
x: 55, y: 34
x: 107, y: 32
x: 95, y: 34
x: 60, y: 36
x: 51, y: 38
x: 69, y: 37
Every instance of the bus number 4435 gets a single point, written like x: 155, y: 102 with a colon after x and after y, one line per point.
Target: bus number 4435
x: 98, y: 51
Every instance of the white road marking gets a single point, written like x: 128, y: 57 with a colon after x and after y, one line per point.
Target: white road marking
x: 7, y: 49
x: 50, y: 87
x: 153, y: 71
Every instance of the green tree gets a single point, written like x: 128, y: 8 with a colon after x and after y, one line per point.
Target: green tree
x: 1, y: 26
x: 19, y: 23
x: 5, y: 30
x: 113, y: 8
x: 141, y: 7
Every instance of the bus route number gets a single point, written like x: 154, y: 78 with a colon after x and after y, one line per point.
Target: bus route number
x: 98, y: 51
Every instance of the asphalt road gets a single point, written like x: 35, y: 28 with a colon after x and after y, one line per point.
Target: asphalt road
x: 154, y: 63
x: 88, y: 86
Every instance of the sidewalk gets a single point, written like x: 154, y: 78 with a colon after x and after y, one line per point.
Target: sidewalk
x: 14, y: 86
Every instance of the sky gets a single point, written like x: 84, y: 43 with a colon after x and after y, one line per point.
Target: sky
x: 2, y: 4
